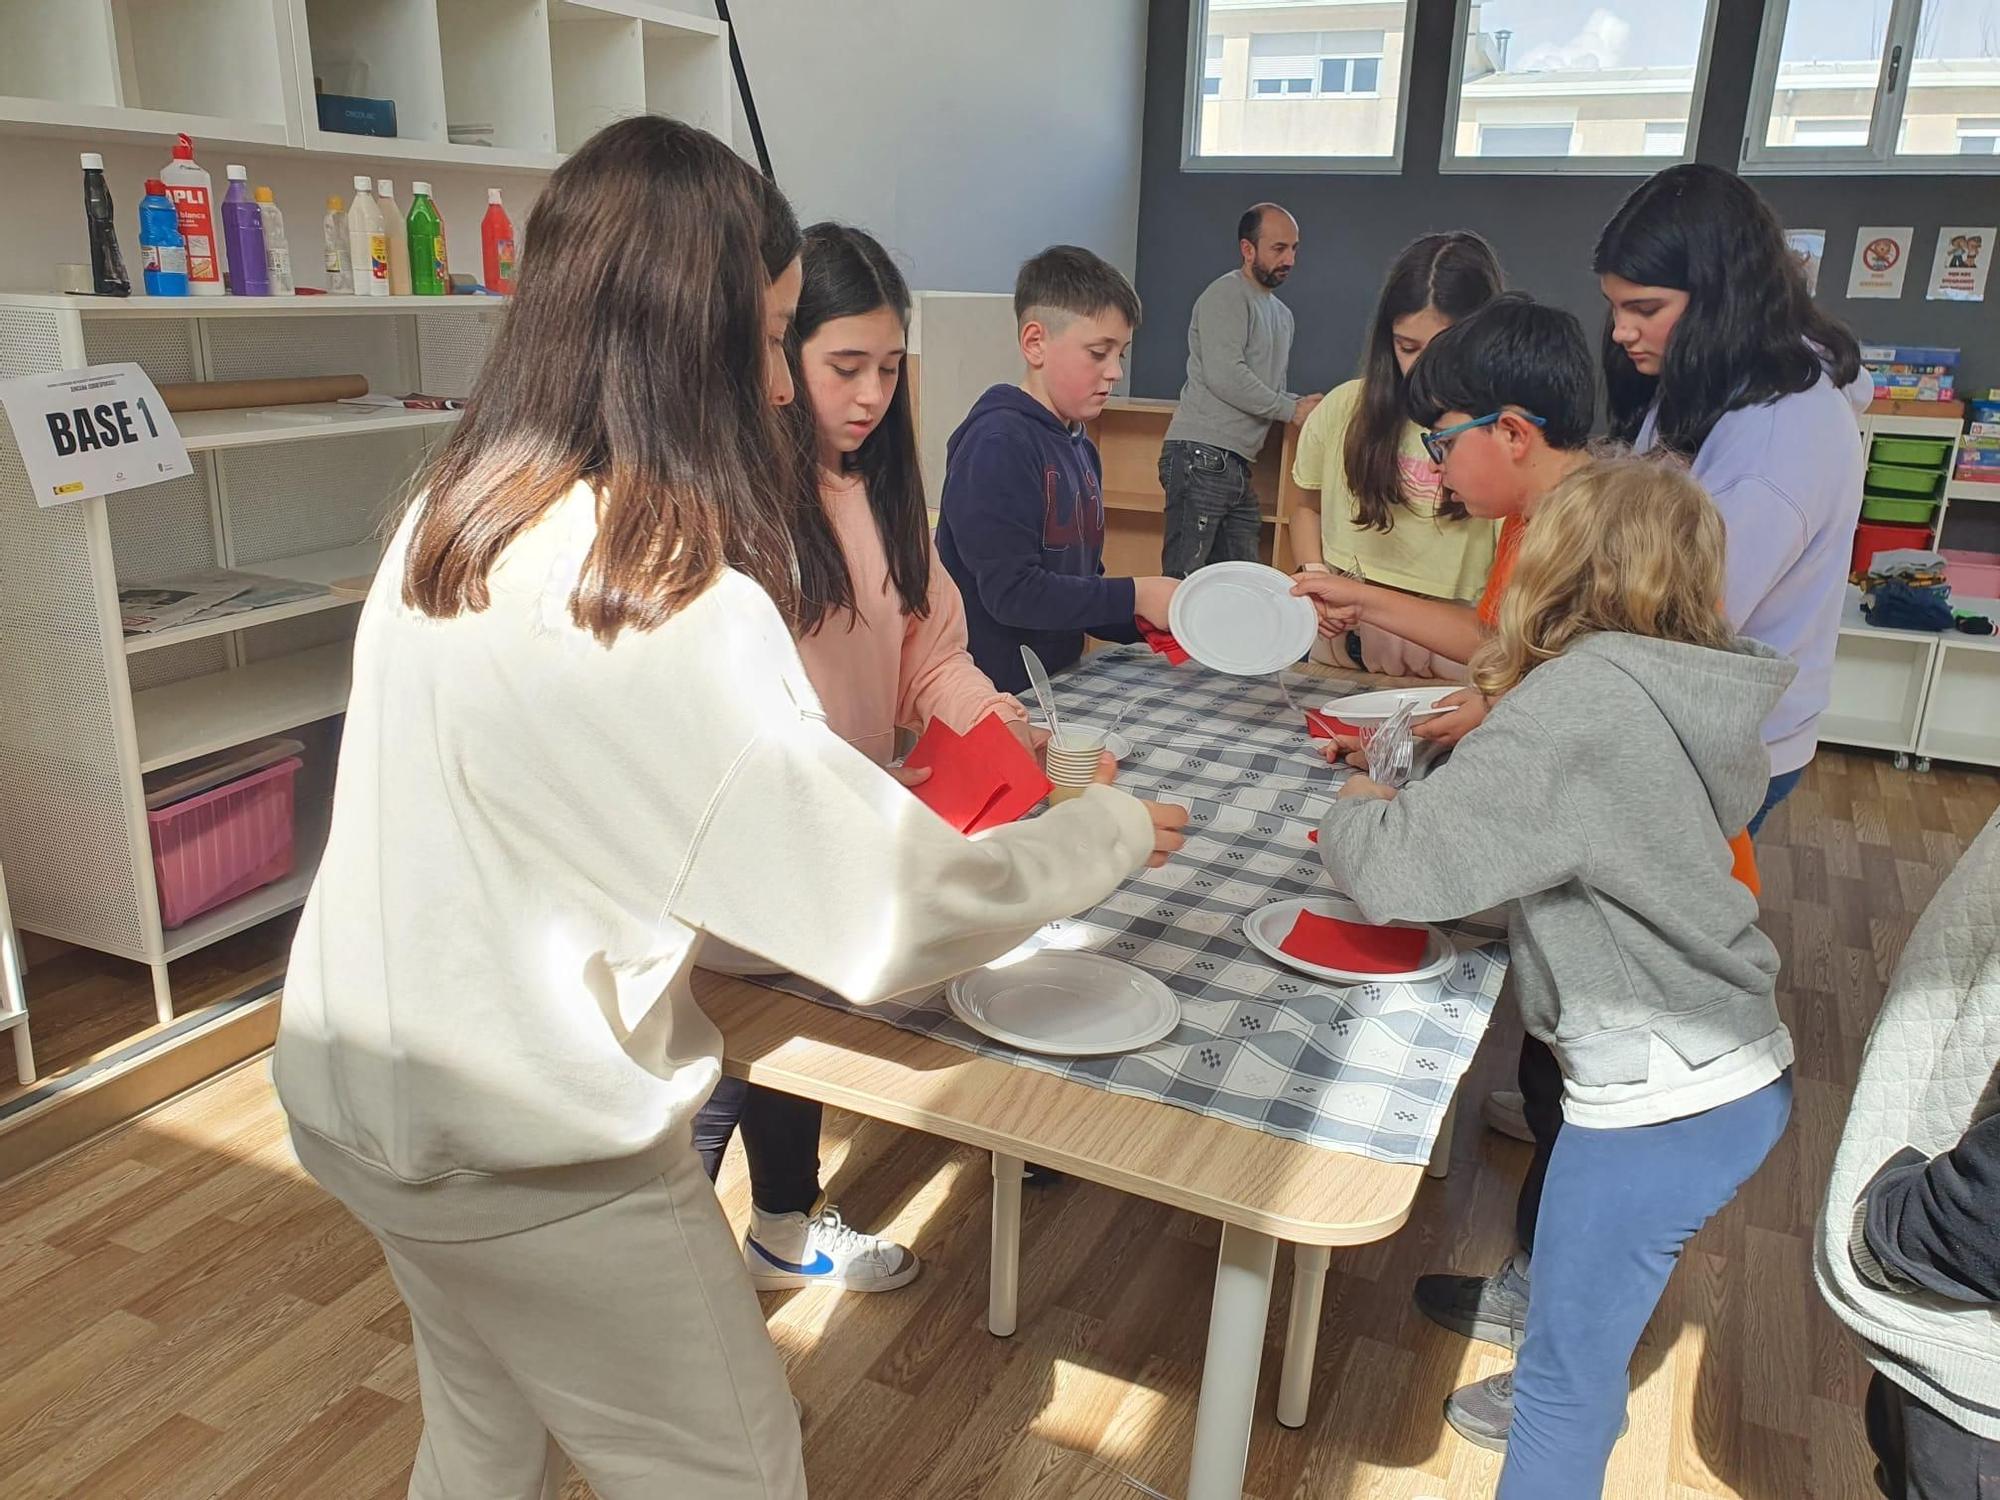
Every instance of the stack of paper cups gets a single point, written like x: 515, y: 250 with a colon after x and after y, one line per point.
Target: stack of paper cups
x: 1072, y: 763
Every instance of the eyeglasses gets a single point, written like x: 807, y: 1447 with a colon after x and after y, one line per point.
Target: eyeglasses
x: 1438, y: 444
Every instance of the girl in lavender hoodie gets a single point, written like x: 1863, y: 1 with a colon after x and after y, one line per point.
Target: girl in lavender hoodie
x: 1714, y: 350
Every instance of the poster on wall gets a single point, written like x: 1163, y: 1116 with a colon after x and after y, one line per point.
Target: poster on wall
x: 1958, y: 269
x: 1881, y: 261
x: 1809, y: 245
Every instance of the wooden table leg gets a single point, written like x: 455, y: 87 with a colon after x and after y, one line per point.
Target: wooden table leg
x: 1440, y: 1162
x: 1243, y: 1273
x: 1309, y: 1263
x: 1003, y: 1294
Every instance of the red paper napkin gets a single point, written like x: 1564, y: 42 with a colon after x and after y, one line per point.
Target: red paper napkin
x: 1324, y: 727
x: 978, y: 780
x: 1334, y: 944
x: 1161, y: 641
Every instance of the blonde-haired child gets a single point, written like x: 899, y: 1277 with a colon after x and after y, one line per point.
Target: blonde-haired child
x: 1596, y: 802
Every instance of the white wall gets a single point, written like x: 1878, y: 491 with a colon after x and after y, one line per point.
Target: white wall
x: 965, y: 134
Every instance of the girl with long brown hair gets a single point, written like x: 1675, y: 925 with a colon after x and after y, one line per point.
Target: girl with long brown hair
x: 1379, y: 509
x: 579, y: 739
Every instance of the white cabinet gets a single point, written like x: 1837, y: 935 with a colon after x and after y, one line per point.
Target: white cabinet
x: 507, y: 85
x: 90, y: 711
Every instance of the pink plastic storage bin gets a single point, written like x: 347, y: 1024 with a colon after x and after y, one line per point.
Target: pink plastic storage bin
x: 224, y: 843
x: 1973, y: 575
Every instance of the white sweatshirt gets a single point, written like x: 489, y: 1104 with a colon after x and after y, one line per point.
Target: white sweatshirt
x: 488, y: 1023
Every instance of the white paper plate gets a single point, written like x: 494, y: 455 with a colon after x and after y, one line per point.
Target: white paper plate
x: 1242, y: 618
x: 1362, y: 708
x: 1065, y: 1004
x: 1269, y: 926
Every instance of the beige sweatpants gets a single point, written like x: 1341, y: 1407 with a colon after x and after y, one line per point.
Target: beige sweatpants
x: 627, y: 1338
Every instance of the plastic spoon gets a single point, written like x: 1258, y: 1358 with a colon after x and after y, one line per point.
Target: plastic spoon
x: 1039, y: 676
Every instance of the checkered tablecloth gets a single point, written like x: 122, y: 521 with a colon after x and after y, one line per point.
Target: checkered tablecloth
x: 1369, y: 1068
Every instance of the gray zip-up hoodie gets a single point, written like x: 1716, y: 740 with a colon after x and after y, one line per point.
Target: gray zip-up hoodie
x: 1597, y: 801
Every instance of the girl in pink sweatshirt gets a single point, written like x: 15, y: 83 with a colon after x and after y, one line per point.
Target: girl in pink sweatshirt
x: 885, y: 648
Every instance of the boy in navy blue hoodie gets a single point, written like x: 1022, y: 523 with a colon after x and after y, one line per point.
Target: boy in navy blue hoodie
x: 1022, y: 524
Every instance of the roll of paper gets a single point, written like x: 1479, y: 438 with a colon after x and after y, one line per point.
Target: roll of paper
x: 216, y: 395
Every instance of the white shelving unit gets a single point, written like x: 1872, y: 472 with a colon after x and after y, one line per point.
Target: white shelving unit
x: 1910, y: 691
x: 540, y: 74
x: 90, y: 711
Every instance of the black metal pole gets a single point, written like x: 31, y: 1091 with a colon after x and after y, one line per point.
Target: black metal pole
x: 743, y: 88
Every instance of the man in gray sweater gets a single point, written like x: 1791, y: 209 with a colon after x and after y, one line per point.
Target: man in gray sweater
x: 1909, y: 1244
x: 1239, y: 345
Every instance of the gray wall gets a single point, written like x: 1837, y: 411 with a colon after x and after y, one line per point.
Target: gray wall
x: 965, y: 136
x: 1543, y: 226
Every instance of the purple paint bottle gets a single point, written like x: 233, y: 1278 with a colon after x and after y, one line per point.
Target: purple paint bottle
x: 243, y: 238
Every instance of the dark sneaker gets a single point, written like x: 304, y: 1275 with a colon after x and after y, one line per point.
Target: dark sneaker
x: 1490, y: 1308
x: 1482, y: 1412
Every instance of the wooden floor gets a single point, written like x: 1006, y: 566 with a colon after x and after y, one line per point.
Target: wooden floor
x: 186, y: 1316
x: 83, y: 1004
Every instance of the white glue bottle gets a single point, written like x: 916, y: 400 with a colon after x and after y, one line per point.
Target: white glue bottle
x: 192, y: 192
x: 367, y: 243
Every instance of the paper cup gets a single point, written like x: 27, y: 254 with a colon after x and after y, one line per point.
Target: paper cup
x: 1072, y: 770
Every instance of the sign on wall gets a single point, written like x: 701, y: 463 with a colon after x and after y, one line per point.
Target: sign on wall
x: 94, y: 431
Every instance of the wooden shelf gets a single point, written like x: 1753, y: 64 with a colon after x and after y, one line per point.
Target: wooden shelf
x: 432, y: 153
x: 252, y: 427
x: 59, y: 119
x: 181, y: 720
x: 637, y: 10
x: 334, y: 566
x: 248, y: 307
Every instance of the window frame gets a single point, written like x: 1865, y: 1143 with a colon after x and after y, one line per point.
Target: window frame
x: 1192, y: 97
x: 1877, y: 158
x: 1636, y: 165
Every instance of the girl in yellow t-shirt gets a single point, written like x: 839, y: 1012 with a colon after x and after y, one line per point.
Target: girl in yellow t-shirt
x: 1380, y: 514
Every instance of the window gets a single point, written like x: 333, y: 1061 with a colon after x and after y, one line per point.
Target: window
x: 1829, y: 132
x: 1526, y: 140
x: 1267, y: 92
x: 1869, y: 85
x: 1665, y: 138
x: 1608, y: 86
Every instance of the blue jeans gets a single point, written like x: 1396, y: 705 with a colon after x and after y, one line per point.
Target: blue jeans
x: 1780, y: 788
x: 1619, y: 1206
x: 1212, y: 511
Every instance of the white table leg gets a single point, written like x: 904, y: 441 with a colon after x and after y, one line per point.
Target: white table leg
x: 1243, y: 1274
x: 24, y: 1055
x: 1309, y: 1263
x: 1003, y: 1294
x: 1440, y: 1162
x: 163, y: 994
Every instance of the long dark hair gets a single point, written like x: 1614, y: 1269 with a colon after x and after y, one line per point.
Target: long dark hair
x: 847, y: 274
x: 1456, y: 273
x: 1750, y: 333
x: 632, y: 359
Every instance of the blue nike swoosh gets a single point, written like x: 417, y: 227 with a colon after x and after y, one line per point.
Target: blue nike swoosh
x: 819, y: 1265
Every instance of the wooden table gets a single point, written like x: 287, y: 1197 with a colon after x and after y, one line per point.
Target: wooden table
x: 1262, y: 1187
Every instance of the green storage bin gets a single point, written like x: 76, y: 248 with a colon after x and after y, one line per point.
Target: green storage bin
x: 1923, y: 452
x: 1895, y: 508
x: 1888, y: 479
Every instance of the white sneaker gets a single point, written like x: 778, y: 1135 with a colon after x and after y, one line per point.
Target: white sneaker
x: 1505, y: 1112
x: 788, y: 1250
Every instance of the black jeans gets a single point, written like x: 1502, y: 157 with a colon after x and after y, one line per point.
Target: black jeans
x: 1212, y: 512
x: 1923, y: 1455
x: 780, y: 1143
x: 1541, y: 1081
